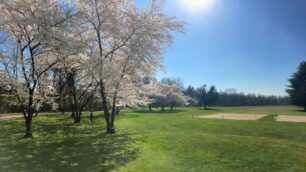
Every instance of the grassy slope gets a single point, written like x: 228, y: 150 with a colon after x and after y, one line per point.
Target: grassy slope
x: 158, y: 142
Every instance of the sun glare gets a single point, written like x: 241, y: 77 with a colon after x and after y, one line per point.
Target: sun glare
x: 196, y: 6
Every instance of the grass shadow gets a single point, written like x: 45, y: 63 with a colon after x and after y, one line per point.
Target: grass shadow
x: 159, y: 111
x: 208, y: 109
x: 60, y: 146
x: 299, y: 111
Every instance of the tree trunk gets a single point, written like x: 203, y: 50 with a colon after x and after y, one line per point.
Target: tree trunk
x: 28, y: 116
x: 112, y: 120
x: 150, y: 108
x: 171, y: 107
x: 163, y: 108
x: 113, y: 110
x: 72, y: 115
x: 109, y: 129
x: 77, y: 118
x: 113, y: 116
x: 28, y: 124
x: 117, y: 111
x: 305, y: 108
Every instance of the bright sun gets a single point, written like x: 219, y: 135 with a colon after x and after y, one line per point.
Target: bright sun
x: 196, y: 6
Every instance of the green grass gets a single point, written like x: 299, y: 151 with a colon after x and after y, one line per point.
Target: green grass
x: 154, y: 141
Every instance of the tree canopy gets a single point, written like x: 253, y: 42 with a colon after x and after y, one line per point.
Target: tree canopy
x: 96, y: 49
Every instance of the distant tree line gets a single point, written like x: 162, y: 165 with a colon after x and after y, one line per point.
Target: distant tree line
x: 241, y: 99
x: 168, y: 92
x: 203, y: 96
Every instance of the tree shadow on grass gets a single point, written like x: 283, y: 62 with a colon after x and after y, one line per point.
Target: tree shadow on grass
x: 160, y: 111
x: 59, y: 147
x: 201, y: 108
x: 299, y: 110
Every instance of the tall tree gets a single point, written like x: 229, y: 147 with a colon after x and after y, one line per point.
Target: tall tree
x: 191, y: 92
x: 173, y: 81
x: 35, y: 33
x: 212, y: 96
x: 174, y: 96
x: 297, y: 87
x: 126, y: 43
x: 167, y: 95
x: 202, y: 96
x: 80, y: 86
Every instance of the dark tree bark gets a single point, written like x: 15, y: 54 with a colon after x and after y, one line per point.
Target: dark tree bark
x: 72, y: 115
x: 150, y: 107
x: 113, y: 120
x: 78, y: 110
x: 28, y: 114
x: 28, y: 125
x: 109, y: 129
x: 79, y: 98
x: 113, y: 110
x: 305, y: 108
x: 36, y: 112
x: 117, y: 110
x: 171, y: 106
x: 78, y: 117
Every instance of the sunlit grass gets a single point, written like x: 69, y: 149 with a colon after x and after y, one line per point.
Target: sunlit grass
x: 155, y: 141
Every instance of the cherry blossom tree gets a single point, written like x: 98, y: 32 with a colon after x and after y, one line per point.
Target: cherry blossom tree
x: 81, y: 86
x: 36, y: 39
x: 126, y: 44
x: 169, y: 95
x: 117, y: 44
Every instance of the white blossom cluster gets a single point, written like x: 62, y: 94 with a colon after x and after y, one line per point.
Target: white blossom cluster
x: 110, y: 45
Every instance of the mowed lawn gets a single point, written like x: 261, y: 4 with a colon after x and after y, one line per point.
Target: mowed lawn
x: 154, y: 141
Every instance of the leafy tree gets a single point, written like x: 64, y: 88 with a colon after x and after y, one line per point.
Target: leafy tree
x: 191, y: 92
x: 173, y: 96
x: 297, y: 87
x: 125, y: 44
x: 212, y: 96
x: 202, y: 96
x: 165, y: 95
x: 173, y: 81
x: 35, y: 32
x: 234, y: 98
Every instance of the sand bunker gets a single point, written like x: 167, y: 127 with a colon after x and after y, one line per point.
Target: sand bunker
x: 290, y: 118
x: 233, y: 116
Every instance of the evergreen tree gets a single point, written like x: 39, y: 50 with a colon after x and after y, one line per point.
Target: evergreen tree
x: 212, y: 96
x: 297, y: 87
x: 202, y: 96
x: 191, y: 92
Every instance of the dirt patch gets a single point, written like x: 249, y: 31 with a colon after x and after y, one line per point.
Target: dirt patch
x: 290, y: 118
x: 8, y: 116
x: 233, y: 116
x: 4, y: 117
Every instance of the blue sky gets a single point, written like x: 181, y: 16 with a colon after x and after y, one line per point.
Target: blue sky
x: 251, y: 45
